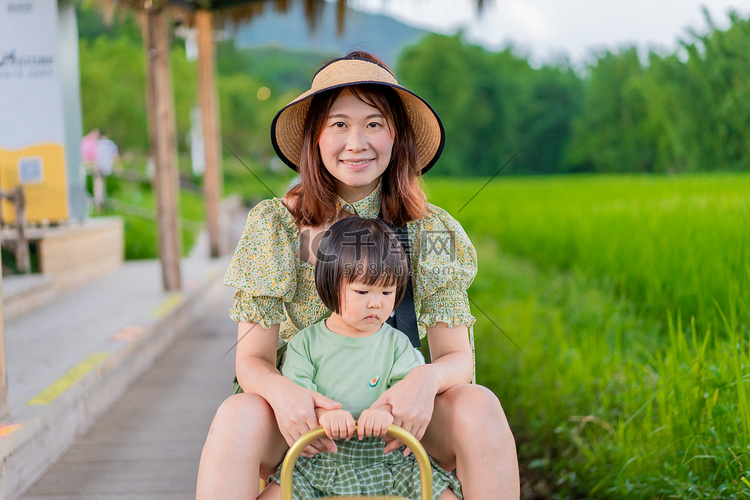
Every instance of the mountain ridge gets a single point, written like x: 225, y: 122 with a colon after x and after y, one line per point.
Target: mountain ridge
x: 379, y: 34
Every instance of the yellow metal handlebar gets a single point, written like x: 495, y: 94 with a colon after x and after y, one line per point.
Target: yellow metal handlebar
x: 425, y: 471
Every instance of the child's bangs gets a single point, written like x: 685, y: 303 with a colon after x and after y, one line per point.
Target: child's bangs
x: 373, y: 269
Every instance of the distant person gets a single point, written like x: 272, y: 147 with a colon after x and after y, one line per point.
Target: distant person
x: 107, y: 154
x: 88, y: 149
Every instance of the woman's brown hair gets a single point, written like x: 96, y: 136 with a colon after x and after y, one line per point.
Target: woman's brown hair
x: 313, y: 200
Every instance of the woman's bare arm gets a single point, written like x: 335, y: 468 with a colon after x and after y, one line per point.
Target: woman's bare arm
x: 450, y: 350
x: 293, y: 405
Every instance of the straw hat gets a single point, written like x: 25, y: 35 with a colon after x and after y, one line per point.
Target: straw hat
x: 287, y: 127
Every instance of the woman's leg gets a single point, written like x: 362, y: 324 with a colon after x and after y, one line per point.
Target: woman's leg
x: 243, y: 444
x: 448, y: 495
x: 469, y: 432
x: 272, y: 492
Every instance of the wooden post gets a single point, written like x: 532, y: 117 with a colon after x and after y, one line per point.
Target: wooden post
x: 20, y: 245
x: 212, y: 177
x: 163, y: 144
x: 3, y: 372
x: 23, y: 257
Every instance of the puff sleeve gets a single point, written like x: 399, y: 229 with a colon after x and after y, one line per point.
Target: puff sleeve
x: 263, y: 266
x: 446, y: 266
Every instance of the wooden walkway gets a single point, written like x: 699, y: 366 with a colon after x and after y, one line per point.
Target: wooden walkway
x: 148, y: 445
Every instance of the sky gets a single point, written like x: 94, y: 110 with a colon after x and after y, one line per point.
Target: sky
x: 546, y: 30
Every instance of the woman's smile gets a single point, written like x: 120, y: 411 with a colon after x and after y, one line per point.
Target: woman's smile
x: 357, y: 163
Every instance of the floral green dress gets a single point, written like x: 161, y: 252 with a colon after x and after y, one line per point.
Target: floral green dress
x: 275, y: 287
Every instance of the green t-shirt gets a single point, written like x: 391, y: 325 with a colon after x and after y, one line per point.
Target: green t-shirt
x: 351, y: 371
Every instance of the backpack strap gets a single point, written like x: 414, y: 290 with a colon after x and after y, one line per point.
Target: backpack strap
x: 404, y: 317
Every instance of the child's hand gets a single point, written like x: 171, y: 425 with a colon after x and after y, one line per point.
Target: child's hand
x: 374, y: 422
x: 338, y: 424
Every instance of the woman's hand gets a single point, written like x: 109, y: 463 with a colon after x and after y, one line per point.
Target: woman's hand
x: 338, y: 424
x: 374, y: 422
x: 295, y: 409
x: 412, y: 401
x: 293, y: 405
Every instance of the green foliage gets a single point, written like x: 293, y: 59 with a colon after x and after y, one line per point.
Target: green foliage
x: 9, y: 264
x: 281, y: 70
x: 545, y: 123
x: 93, y: 23
x: 113, y: 80
x: 629, y: 300
x: 113, y: 90
x: 684, y: 112
x: 492, y: 105
x: 612, y: 134
x: 245, y: 119
x: 700, y: 107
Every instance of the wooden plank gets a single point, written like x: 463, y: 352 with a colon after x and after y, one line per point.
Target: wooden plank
x: 163, y: 145
x: 148, y: 446
x: 212, y: 184
x: 121, y: 477
x: 84, y: 452
x: 151, y: 495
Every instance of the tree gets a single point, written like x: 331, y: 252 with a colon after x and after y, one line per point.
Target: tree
x: 612, y: 133
x: 700, y: 105
x: 492, y: 105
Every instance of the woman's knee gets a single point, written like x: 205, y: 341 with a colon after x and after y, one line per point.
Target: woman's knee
x: 245, y: 425
x: 476, y: 410
x: 466, y: 418
x: 241, y: 417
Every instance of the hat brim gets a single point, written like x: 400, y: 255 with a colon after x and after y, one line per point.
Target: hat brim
x: 287, y: 128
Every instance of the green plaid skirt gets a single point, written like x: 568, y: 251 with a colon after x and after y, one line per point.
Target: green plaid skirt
x: 361, y: 468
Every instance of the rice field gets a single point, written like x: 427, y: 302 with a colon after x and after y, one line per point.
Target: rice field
x: 613, y: 319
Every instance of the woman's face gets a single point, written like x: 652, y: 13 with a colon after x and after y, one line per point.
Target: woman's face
x: 355, y: 145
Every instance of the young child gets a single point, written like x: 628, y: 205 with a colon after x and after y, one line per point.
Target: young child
x: 352, y: 357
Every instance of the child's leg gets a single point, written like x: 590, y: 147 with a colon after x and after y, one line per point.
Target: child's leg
x: 273, y: 492
x: 448, y: 495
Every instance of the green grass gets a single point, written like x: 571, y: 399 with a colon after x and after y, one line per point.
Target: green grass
x: 665, y: 243
x: 629, y: 299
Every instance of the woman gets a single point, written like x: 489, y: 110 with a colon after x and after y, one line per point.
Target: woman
x: 360, y: 142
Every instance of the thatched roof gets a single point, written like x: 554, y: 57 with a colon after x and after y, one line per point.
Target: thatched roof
x: 238, y: 10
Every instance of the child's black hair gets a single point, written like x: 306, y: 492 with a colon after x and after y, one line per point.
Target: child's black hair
x: 362, y: 250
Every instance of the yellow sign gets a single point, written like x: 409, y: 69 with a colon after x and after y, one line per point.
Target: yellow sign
x: 40, y: 170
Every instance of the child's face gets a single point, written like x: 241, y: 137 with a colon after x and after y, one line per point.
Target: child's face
x: 364, y: 309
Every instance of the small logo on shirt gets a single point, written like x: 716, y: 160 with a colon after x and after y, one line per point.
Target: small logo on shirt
x: 374, y: 380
